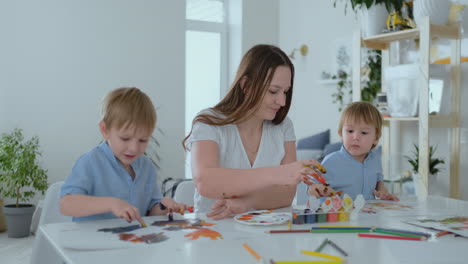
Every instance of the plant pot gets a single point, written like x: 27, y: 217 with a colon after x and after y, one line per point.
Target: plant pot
x: 18, y: 220
x: 420, y: 188
x: 2, y: 218
x: 373, y: 20
x: 408, y: 187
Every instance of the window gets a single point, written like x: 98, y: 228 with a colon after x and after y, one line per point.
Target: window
x: 205, y: 57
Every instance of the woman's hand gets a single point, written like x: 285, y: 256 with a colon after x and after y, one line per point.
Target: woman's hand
x: 297, y: 171
x: 227, y: 208
x: 319, y: 190
x: 173, y: 206
x: 122, y: 209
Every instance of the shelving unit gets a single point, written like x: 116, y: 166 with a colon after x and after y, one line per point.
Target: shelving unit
x: 425, y: 32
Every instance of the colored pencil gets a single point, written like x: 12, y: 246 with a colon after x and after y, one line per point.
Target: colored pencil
x: 443, y: 233
x: 318, y: 254
x: 338, y: 248
x: 324, y: 243
x: 341, y: 228
x: 288, y: 231
x: 378, y: 230
x: 252, y: 252
x: 405, y: 231
x: 359, y: 227
x: 319, y: 231
x: 309, y: 262
x: 392, y: 237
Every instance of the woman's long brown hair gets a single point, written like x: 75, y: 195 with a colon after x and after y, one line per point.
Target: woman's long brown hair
x: 254, y: 75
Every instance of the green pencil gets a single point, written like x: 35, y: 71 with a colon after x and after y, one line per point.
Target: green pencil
x: 322, y: 245
x: 395, y: 233
x: 339, y: 230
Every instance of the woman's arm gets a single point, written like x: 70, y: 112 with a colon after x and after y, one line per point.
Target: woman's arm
x: 218, y: 183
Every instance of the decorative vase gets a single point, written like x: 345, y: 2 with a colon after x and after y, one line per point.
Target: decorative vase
x: 436, y: 10
x: 373, y: 20
x: 432, y: 188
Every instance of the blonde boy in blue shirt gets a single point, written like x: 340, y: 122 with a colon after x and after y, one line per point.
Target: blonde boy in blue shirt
x: 356, y: 168
x: 115, y: 179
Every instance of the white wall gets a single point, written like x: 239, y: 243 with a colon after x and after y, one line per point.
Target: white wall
x: 250, y: 23
x: 59, y: 58
x: 320, y: 26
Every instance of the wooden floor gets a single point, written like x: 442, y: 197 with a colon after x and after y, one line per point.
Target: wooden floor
x: 15, y: 250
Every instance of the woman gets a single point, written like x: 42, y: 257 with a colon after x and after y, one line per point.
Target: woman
x: 243, y: 151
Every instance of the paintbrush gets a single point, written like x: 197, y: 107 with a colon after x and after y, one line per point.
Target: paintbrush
x: 170, y: 215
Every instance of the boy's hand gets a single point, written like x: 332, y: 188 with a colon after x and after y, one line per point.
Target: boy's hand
x: 173, y: 206
x: 384, y: 195
x: 122, y: 209
x: 227, y: 207
x: 319, y: 190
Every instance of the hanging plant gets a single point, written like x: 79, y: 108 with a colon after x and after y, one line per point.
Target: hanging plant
x: 343, y: 93
x: 371, y: 75
x: 374, y: 79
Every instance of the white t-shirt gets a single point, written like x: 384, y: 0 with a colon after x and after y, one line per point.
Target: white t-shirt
x: 231, y: 150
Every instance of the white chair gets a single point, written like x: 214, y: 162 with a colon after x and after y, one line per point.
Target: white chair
x: 184, y: 192
x: 42, y: 251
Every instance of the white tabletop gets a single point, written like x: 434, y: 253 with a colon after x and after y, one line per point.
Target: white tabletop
x: 81, y: 243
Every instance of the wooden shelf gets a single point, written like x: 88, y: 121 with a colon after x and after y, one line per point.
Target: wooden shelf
x: 424, y: 33
x: 442, y: 121
x: 401, y: 118
x: 382, y: 41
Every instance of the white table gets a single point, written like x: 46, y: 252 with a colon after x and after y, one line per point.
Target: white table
x: 178, y: 249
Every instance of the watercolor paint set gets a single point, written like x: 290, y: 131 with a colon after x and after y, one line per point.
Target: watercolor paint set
x: 305, y: 216
x: 327, y: 210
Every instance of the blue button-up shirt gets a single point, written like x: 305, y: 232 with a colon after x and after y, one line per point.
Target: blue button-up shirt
x: 351, y: 176
x: 99, y: 173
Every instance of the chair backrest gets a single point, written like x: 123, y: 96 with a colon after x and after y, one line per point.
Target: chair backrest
x: 42, y: 252
x: 184, y: 192
x: 51, y: 207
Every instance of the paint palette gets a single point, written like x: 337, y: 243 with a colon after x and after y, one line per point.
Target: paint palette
x: 262, y: 217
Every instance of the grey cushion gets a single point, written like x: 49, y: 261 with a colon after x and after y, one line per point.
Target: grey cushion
x: 329, y: 148
x: 317, y: 141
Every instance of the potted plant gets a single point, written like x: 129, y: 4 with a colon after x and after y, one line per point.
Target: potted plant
x: 373, y: 14
x: 433, y: 164
x: 20, y: 178
x: 390, y: 5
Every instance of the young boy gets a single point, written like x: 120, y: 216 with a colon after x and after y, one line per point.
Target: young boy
x: 356, y: 168
x: 115, y: 179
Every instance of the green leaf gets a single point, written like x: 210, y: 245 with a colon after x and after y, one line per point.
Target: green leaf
x: 21, y: 176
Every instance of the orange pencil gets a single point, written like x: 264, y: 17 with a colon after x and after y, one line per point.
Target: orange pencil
x: 443, y: 233
x: 251, y: 251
